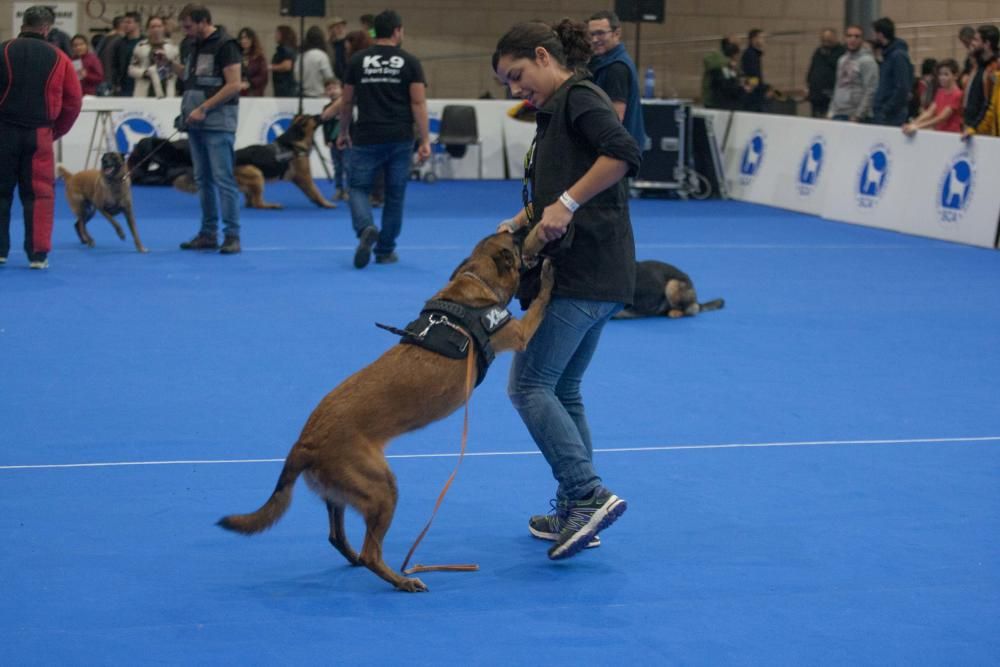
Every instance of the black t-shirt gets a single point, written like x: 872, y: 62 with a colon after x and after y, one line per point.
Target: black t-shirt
x: 284, y: 82
x: 617, y: 82
x: 381, y: 76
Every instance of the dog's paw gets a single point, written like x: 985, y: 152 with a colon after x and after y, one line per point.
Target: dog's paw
x: 143, y: 249
x: 412, y: 585
x: 326, y: 204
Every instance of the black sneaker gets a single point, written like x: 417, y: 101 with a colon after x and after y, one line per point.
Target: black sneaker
x: 548, y: 526
x: 201, y: 242
x: 231, y: 246
x: 391, y: 258
x: 582, y: 520
x: 363, y: 255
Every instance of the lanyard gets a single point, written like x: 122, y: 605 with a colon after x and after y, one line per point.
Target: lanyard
x: 529, y: 172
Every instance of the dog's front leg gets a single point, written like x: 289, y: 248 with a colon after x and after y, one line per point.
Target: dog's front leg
x: 114, y: 223
x: 515, y: 335
x: 135, y: 233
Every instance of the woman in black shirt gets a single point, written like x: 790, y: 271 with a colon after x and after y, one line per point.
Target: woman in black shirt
x: 283, y: 62
x: 578, y: 197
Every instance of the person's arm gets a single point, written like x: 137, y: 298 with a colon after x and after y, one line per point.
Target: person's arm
x: 325, y: 68
x: 929, y: 117
x: 93, y: 70
x: 418, y: 105
x: 332, y: 109
x: 604, y: 173
x: 284, y: 66
x: 869, y: 84
x: 346, y: 111
x: 232, y: 76
x: 72, y: 100
x: 140, y: 61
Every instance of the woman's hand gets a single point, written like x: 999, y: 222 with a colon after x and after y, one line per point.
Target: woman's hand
x: 555, y: 220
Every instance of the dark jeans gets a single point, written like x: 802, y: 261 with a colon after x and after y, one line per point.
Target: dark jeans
x: 393, y: 160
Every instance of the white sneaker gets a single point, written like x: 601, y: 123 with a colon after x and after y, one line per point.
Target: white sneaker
x: 40, y: 264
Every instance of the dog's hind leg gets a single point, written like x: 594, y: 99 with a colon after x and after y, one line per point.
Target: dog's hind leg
x: 338, y: 536
x: 377, y: 508
x: 81, y: 230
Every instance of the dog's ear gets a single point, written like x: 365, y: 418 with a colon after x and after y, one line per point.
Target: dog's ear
x: 505, y: 261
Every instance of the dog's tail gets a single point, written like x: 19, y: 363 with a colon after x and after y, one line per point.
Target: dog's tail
x: 276, y: 505
x: 65, y: 173
x: 714, y: 304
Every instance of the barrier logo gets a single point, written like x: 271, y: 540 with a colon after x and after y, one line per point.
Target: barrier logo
x: 133, y: 127
x: 275, y: 126
x: 809, y: 169
x: 955, y: 191
x: 753, y: 157
x: 873, y: 175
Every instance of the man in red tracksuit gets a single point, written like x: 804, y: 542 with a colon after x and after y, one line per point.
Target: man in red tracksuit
x: 40, y: 99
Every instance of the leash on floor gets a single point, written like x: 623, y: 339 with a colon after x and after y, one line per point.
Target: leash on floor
x: 469, y: 567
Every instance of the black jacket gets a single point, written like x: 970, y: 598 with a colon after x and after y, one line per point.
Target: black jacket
x: 822, y: 77
x: 576, y: 126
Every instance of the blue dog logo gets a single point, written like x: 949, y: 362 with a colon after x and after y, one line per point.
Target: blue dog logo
x: 753, y: 155
x: 874, y: 174
x: 812, y: 163
x: 131, y: 131
x: 277, y: 127
x: 955, y: 191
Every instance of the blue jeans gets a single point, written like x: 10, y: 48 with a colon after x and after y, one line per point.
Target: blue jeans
x: 544, y: 388
x: 212, y: 156
x: 394, y: 160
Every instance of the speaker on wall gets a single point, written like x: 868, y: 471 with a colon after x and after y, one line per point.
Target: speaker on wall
x: 303, y: 7
x: 645, y: 11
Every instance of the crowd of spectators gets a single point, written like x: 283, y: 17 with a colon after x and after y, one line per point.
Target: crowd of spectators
x: 871, y: 81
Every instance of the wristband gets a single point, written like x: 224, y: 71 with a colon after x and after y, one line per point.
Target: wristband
x: 568, y: 202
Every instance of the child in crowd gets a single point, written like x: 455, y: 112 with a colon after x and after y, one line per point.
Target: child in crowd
x: 945, y: 113
x: 333, y: 90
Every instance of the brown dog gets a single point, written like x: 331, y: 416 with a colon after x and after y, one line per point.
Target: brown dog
x: 340, y: 449
x: 107, y: 191
x: 287, y: 157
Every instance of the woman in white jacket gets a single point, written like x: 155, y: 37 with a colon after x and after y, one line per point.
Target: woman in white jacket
x: 316, y: 68
x: 152, y: 61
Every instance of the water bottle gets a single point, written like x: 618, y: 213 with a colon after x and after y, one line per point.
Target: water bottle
x: 649, y: 88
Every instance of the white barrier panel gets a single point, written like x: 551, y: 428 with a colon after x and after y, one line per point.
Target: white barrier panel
x: 930, y: 185
x: 261, y: 120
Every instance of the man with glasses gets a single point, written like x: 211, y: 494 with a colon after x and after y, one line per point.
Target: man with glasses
x: 857, y: 80
x: 614, y: 72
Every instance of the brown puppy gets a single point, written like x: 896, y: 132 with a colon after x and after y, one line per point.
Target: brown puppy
x: 287, y: 157
x: 107, y: 191
x: 340, y: 449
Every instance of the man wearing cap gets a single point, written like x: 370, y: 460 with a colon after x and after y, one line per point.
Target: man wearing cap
x: 40, y: 99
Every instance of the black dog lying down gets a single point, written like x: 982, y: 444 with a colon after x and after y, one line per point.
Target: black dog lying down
x: 663, y: 289
x: 167, y: 161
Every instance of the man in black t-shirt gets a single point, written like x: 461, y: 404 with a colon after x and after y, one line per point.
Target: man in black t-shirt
x: 387, y: 85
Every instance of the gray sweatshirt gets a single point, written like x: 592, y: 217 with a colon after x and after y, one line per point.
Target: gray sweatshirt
x: 857, y: 79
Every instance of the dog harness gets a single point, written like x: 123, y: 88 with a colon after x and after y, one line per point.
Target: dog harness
x: 446, y: 327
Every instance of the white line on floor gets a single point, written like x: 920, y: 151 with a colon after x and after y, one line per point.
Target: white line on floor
x: 611, y: 450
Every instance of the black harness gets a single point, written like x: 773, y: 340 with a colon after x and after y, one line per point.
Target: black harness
x: 446, y: 327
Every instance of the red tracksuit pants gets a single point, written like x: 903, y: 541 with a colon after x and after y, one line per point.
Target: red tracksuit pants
x: 27, y: 164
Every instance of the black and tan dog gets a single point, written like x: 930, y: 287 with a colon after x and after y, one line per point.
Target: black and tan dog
x: 340, y: 449
x: 287, y: 157
x: 663, y: 289
x: 107, y: 191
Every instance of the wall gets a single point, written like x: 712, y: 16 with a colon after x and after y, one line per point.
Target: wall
x: 454, y: 38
